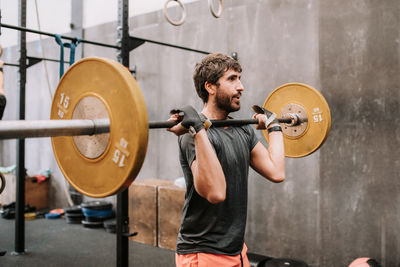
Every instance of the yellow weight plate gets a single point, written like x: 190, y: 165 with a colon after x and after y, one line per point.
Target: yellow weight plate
x: 30, y: 216
x: 312, y: 133
x: 114, y: 165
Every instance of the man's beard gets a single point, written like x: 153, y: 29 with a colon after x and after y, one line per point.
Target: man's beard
x: 224, y: 102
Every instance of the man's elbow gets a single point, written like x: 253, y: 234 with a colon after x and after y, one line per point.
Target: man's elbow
x: 215, y: 198
x: 278, y: 177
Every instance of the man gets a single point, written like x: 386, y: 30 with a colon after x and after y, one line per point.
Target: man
x: 215, y: 164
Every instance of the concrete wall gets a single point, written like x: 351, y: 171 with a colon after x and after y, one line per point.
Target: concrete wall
x: 359, y: 185
x: 337, y: 204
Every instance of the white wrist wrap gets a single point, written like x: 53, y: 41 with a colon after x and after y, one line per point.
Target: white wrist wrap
x: 267, y: 120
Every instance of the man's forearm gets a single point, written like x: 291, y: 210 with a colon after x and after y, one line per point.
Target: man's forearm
x: 276, y: 152
x: 209, y: 178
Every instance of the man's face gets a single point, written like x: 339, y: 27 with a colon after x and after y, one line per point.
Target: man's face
x: 229, y: 91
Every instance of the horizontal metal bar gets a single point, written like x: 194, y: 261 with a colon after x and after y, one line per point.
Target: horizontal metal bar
x: 11, y: 64
x: 170, y: 45
x: 97, y: 43
x: 46, y: 128
x: 216, y: 123
x: 49, y: 59
x: 53, y: 35
x: 35, y: 58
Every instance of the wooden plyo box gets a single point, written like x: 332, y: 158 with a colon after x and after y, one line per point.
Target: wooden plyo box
x: 36, y: 194
x: 143, y: 210
x: 170, y: 204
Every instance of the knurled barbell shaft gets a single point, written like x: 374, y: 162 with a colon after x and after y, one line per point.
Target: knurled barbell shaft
x: 51, y: 128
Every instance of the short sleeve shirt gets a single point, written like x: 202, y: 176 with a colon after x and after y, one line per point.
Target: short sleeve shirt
x: 217, y: 228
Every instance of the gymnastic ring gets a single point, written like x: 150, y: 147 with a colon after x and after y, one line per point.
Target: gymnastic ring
x: 219, y: 13
x: 179, y: 22
x: 3, y: 182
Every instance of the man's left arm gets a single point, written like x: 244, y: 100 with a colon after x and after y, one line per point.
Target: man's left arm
x: 270, y: 162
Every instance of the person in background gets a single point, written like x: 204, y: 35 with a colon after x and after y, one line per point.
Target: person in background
x: 3, y: 99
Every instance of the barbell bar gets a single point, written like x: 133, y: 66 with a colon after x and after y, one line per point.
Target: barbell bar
x: 99, y: 125
x: 50, y: 128
x: 21, y: 129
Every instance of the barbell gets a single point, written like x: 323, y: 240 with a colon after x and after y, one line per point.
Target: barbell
x: 99, y: 125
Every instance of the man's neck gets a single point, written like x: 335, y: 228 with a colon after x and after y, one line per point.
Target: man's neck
x: 212, y: 112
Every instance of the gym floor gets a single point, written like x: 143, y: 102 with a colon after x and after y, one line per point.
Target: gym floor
x: 57, y: 243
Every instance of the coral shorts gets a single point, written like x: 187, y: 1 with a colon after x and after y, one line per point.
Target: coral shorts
x: 212, y: 260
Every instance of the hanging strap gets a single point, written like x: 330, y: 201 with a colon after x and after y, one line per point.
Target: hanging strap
x: 74, y: 43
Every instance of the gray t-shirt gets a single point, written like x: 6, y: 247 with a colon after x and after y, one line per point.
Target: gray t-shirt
x: 217, y: 228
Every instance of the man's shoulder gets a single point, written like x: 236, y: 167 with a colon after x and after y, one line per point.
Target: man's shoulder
x: 185, y: 139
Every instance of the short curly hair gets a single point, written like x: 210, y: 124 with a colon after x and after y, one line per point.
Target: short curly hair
x: 210, y: 69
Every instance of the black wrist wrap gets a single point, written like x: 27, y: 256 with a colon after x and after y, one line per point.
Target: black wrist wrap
x: 275, y: 129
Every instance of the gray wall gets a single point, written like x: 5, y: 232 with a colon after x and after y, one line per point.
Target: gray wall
x: 337, y: 204
x: 359, y: 177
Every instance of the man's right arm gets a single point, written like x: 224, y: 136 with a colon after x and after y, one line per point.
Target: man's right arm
x: 208, y: 176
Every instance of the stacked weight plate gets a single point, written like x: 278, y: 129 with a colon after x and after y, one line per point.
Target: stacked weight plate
x: 110, y: 226
x: 74, y: 215
x: 96, y: 212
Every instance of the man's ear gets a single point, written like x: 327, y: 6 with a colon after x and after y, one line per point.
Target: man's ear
x: 211, y: 88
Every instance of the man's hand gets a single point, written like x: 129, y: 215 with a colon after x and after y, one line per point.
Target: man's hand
x: 177, y: 129
x: 191, y: 121
x: 266, y: 118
